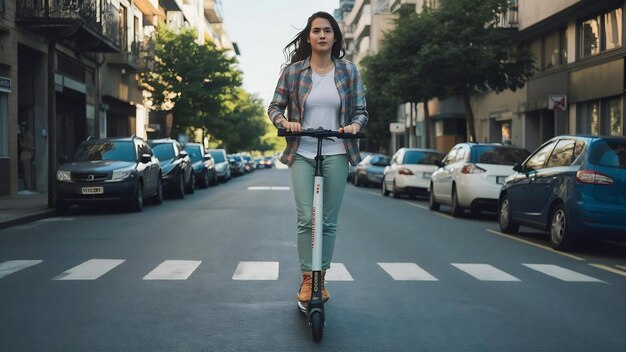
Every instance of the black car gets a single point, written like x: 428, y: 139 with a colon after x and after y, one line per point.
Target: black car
x: 178, y: 175
x: 109, y: 170
x: 203, y: 165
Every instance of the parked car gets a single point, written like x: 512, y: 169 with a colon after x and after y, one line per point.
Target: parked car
x: 222, y: 167
x: 237, y: 164
x: 370, y: 170
x: 109, y: 170
x: 471, y: 175
x: 248, y: 162
x: 352, y: 169
x: 178, y: 175
x: 572, y: 186
x: 409, y: 172
x: 203, y: 165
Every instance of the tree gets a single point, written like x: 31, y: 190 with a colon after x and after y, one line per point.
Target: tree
x: 197, y: 83
x: 245, y: 126
x: 469, y: 53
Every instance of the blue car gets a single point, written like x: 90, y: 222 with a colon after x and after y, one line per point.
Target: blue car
x: 573, y: 186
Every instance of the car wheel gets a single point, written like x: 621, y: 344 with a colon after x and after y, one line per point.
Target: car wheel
x: 137, y: 203
x: 383, y: 189
x: 561, y: 236
x: 191, y: 185
x: 394, y: 190
x: 158, y: 197
x: 432, y: 203
x: 214, y: 180
x: 355, y: 181
x: 457, y: 210
x: 180, y: 189
x: 504, y: 216
x: 205, y: 179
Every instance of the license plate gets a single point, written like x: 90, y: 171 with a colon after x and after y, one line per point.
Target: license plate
x: 500, y: 179
x: 426, y: 175
x: 92, y: 190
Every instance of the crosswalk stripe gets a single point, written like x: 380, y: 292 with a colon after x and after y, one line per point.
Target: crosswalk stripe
x: 561, y: 273
x: 90, y: 270
x: 8, y: 268
x: 267, y: 188
x: 338, y: 272
x: 406, y: 272
x: 485, y: 272
x: 173, y: 270
x: 256, y: 271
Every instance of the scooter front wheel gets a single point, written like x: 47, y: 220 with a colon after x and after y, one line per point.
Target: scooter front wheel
x: 317, y: 325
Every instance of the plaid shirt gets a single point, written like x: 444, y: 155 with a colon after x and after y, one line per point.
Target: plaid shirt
x: 293, y: 88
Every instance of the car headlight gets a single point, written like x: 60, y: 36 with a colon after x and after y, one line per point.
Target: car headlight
x: 64, y: 175
x: 119, y: 175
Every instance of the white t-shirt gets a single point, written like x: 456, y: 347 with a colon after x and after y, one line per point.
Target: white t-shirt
x: 321, y: 109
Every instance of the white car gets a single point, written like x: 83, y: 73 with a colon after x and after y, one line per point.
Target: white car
x: 409, y: 172
x: 222, y: 167
x: 471, y: 175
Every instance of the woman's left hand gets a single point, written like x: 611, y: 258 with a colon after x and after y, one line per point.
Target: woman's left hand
x: 353, y: 128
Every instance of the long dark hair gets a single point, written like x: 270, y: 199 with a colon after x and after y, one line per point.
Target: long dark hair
x: 302, y: 48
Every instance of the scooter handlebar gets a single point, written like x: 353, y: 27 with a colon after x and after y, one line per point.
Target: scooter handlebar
x: 320, y: 133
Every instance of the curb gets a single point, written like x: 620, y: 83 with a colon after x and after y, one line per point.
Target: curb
x: 27, y: 218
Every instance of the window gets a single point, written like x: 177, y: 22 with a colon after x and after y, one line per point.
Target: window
x: 601, y: 117
x: 538, y: 160
x: 555, y: 49
x: 1, y: 6
x: 600, y: 33
x: 563, y: 154
x: 123, y: 28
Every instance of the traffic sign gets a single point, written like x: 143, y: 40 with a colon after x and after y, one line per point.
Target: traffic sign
x: 397, y: 127
x: 557, y: 102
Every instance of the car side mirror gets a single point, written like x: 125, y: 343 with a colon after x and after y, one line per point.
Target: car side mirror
x: 207, y: 157
x: 518, y: 167
x: 183, y: 154
x: 146, y: 158
x: 439, y: 163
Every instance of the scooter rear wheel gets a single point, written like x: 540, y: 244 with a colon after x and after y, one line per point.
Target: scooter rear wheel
x: 317, y: 325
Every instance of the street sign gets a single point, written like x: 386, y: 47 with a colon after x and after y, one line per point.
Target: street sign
x: 396, y: 127
x: 557, y: 102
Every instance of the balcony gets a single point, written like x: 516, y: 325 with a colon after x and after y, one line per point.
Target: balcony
x: 127, y: 60
x: 86, y: 25
x: 509, y: 19
x: 213, y: 11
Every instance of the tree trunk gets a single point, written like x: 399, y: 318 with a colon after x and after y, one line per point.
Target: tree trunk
x: 427, y: 143
x: 471, y: 130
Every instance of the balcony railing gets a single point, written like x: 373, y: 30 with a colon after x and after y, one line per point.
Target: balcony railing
x: 509, y: 19
x: 91, y: 25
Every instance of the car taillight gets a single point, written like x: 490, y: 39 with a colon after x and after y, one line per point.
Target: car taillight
x: 405, y: 171
x: 471, y: 169
x: 592, y: 177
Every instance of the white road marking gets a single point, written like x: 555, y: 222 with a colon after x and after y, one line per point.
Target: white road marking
x: 268, y: 188
x: 173, y: 270
x: 406, y: 272
x: 610, y: 269
x: 417, y: 205
x: 561, y: 273
x: 256, y: 271
x: 485, y: 272
x: 90, y: 270
x: 549, y: 249
x: 338, y: 272
x: 8, y: 268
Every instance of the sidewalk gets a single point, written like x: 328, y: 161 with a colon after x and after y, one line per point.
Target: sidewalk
x: 22, y: 208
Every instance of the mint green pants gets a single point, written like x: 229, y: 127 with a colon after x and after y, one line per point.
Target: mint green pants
x: 335, y: 170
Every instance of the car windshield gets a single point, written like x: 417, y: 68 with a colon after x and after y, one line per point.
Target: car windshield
x: 497, y: 155
x: 163, y: 151
x: 609, y: 153
x: 194, y: 152
x: 217, y: 156
x: 422, y: 158
x: 106, y: 150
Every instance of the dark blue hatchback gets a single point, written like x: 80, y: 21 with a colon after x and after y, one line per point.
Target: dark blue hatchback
x: 572, y: 186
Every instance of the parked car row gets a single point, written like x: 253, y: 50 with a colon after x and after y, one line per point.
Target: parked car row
x: 131, y: 170
x: 572, y: 186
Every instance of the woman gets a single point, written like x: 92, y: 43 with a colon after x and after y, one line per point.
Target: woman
x: 319, y: 89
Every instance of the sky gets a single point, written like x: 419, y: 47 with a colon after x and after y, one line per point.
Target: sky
x: 262, y: 29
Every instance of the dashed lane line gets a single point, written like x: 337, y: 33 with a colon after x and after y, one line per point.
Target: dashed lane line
x: 535, y: 244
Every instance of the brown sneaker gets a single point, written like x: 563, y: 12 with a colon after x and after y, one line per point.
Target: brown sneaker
x: 305, y: 288
x: 325, y: 295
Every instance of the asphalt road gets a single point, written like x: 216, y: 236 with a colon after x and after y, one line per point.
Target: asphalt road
x: 218, y: 271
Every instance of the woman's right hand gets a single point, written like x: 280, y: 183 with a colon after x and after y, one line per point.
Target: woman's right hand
x: 291, y: 126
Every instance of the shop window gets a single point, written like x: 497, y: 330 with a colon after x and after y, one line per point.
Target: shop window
x: 600, y: 33
x: 601, y: 117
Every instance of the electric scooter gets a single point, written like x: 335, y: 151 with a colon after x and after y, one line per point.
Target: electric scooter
x: 314, y: 309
